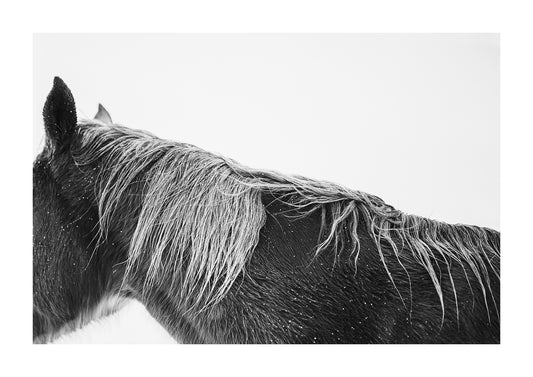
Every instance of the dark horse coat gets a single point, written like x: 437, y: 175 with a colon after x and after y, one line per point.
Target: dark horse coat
x: 221, y: 253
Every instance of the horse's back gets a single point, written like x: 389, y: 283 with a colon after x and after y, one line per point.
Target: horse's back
x: 291, y: 294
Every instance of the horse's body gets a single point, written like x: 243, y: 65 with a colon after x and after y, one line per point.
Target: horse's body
x: 219, y: 253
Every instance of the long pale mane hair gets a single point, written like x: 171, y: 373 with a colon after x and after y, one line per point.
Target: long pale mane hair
x: 198, y: 216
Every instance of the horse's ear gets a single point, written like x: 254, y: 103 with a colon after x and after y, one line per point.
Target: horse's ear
x: 102, y: 115
x: 59, y: 115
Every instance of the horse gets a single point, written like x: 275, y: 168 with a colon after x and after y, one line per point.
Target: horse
x: 222, y: 253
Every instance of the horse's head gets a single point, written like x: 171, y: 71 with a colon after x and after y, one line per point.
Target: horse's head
x: 70, y: 278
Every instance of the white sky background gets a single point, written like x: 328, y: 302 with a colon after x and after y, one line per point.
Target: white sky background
x: 413, y: 119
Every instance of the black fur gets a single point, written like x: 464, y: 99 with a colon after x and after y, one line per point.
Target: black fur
x: 290, y: 296
x: 59, y: 115
x: 70, y: 274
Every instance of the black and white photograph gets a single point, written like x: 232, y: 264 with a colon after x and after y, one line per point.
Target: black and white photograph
x: 267, y: 188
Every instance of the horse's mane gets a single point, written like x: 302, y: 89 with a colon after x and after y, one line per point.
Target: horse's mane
x: 199, y: 215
